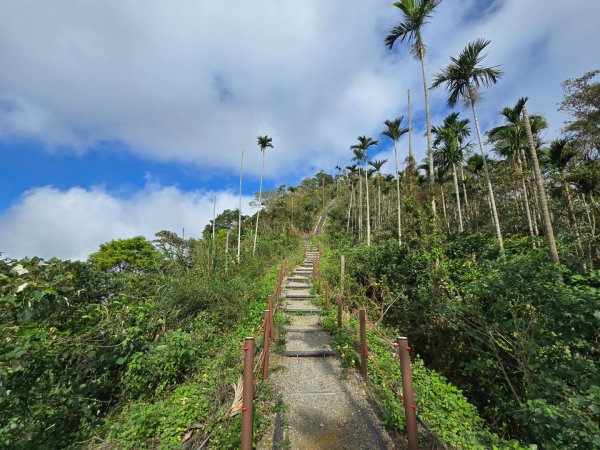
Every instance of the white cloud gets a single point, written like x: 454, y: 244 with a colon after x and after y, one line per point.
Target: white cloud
x: 71, y: 224
x: 197, y: 81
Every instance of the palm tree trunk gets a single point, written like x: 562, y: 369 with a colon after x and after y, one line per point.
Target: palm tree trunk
x: 488, y: 181
x: 262, y: 169
x: 360, y: 203
x: 350, y: 207
x: 541, y: 191
x: 468, y: 211
x: 572, y: 218
x: 368, y: 207
x: 410, y: 153
x: 428, y: 124
x: 239, y: 247
x: 457, y: 193
x: 444, y: 208
x: 398, y: 191
x: 526, y: 198
x: 378, y: 200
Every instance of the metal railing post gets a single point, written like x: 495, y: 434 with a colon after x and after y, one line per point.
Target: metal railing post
x: 248, y: 394
x: 319, y: 276
x: 342, y: 269
x: 339, y: 304
x: 266, y: 339
x: 410, y: 408
x: 363, y: 344
x: 270, y: 325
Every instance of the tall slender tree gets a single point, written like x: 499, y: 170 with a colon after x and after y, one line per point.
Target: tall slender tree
x: 359, y: 156
x: 541, y: 190
x: 449, y: 143
x: 416, y: 13
x: 394, y: 131
x: 510, y: 141
x: 560, y: 154
x: 464, y: 78
x: 363, y: 144
x: 377, y: 164
x: 263, y: 142
x: 239, y: 246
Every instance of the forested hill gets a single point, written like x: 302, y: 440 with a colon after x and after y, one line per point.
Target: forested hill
x: 492, y: 271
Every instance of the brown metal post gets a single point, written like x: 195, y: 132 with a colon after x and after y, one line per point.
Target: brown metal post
x: 342, y: 269
x: 339, y: 303
x: 268, y: 326
x: 363, y: 344
x: 410, y: 408
x: 319, y: 273
x: 248, y: 394
x: 327, y: 295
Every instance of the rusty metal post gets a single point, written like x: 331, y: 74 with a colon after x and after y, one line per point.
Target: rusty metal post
x: 248, y: 394
x: 270, y: 325
x: 363, y: 344
x: 342, y: 269
x: 319, y: 273
x: 266, y: 340
x: 326, y: 294
x: 339, y: 303
x: 410, y: 408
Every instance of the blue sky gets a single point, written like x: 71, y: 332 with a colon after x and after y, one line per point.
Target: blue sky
x: 125, y: 117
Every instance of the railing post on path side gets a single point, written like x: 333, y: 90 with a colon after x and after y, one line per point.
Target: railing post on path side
x: 339, y: 304
x: 363, y: 344
x: 342, y: 269
x: 270, y: 325
x: 266, y: 340
x: 410, y: 408
x: 319, y: 273
x: 327, y: 295
x: 248, y: 394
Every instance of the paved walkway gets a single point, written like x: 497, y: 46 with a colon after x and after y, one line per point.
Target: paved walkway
x: 324, y: 410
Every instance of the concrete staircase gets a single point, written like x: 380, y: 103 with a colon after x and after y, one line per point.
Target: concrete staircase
x: 324, y: 410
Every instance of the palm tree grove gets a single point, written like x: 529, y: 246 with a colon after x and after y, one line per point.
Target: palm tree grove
x: 327, y: 225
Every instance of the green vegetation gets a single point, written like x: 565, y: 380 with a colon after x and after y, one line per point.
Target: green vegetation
x: 139, y: 346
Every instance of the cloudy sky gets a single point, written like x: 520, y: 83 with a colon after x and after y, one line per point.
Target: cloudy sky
x: 125, y: 117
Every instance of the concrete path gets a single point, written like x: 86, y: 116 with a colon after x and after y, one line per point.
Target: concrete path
x: 324, y: 410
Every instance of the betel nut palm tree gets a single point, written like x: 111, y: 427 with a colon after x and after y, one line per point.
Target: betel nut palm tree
x: 559, y: 156
x: 416, y: 13
x: 464, y: 77
x: 394, y: 131
x: 363, y: 144
x: 359, y: 156
x: 539, y: 182
x: 510, y: 141
x: 263, y: 142
x: 377, y: 164
x: 449, y: 139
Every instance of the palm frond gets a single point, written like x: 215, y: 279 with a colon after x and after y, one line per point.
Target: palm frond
x: 238, y: 392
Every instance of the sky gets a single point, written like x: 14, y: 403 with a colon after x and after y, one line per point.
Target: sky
x: 126, y: 117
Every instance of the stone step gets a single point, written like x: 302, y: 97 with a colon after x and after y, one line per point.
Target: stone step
x: 297, y: 286
x: 297, y: 279
x: 305, y: 330
x: 318, y: 341
x: 306, y: 322
x: 309, y: 353
x: 292, y: 296
x: 288, y: 309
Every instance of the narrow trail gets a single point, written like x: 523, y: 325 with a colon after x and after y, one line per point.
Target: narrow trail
x: 326, y: 408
